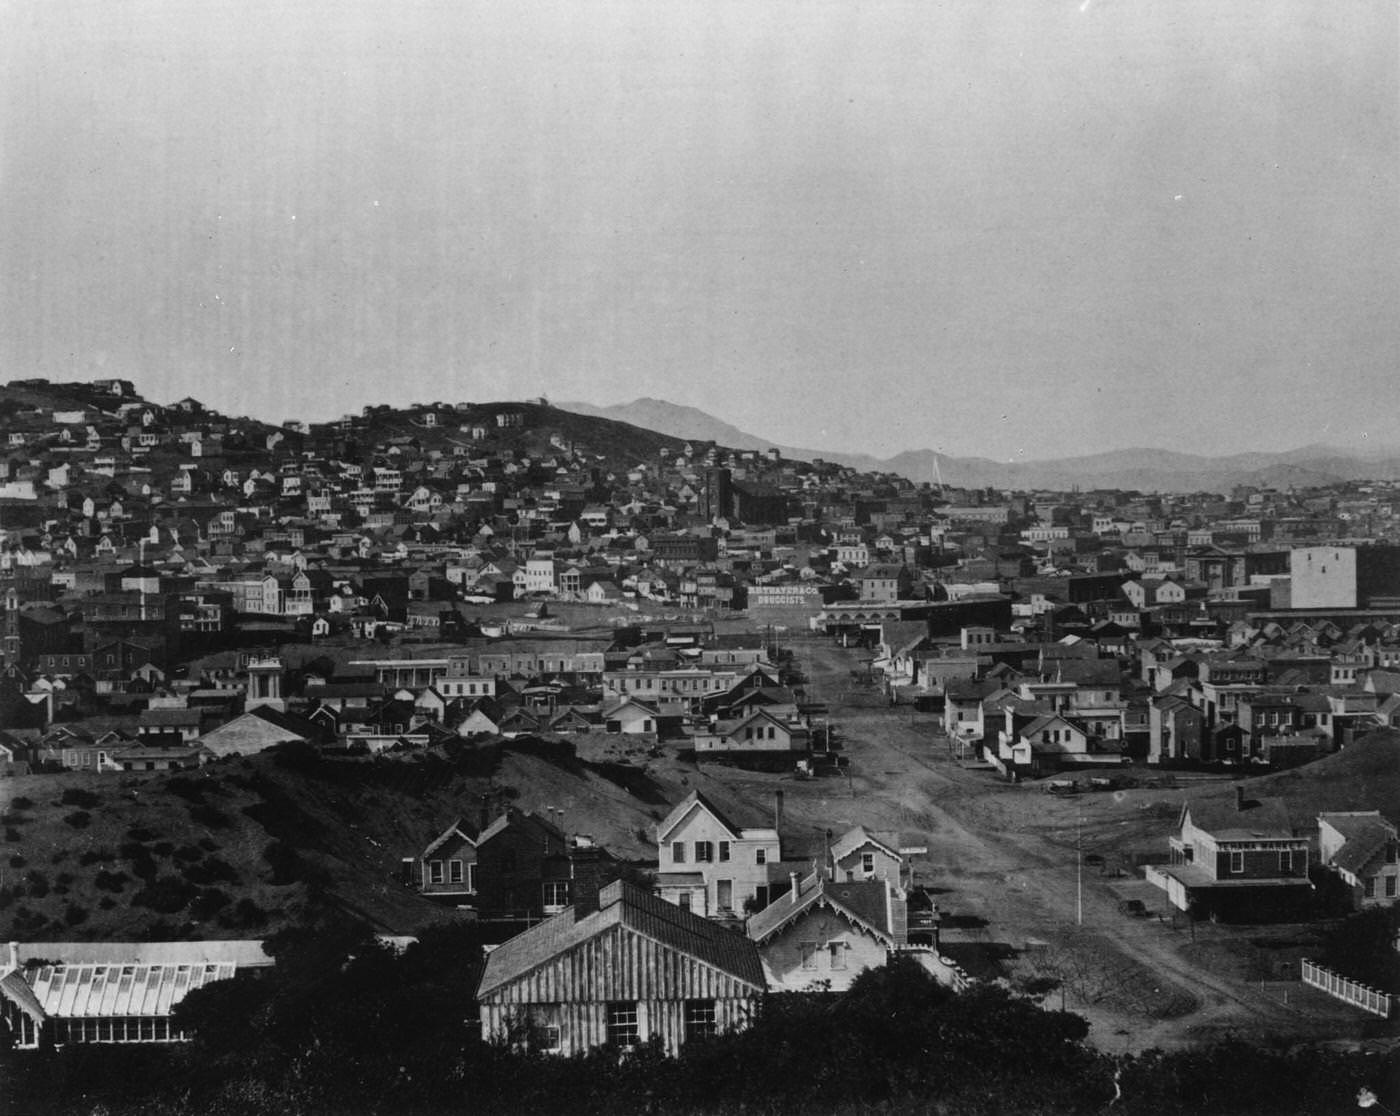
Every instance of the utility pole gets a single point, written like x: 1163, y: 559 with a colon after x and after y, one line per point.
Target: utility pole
x: 1079, y: 871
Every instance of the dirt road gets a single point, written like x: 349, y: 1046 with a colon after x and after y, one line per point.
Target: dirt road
x: 1005, y: 863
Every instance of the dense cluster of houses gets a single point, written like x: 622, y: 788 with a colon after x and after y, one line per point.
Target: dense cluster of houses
x: 145, y: 549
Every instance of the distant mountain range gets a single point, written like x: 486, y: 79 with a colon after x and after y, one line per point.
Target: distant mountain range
x: 1146, y: 470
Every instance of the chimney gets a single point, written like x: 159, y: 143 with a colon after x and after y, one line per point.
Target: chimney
x: 792, y: 887
x: 14, y: 957
x: 828, y: 865
x: 1239, y: 797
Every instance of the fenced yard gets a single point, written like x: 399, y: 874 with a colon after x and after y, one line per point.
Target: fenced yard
x: 1353, y: 992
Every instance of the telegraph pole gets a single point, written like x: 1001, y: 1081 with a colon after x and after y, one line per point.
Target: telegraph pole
x: 1079, y: 871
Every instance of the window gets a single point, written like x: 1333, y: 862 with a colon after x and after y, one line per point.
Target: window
x: 683, y: 900
x: 556, y: 895
x: 435, y: 871
x: 760, y: 856
x: 1390, y: 853
x: 1237, y: 862
x: 724, y: 851
x: 1390, y: 885
x: 1369, y: 888
x: 454, y: 871
x: 546, y: 1035
x: 678, y: 852
x: 622, y: 1023
x: 699, y: 1019
x: 704, y: 852
x: 867, y: 863
x: 809, y: 954
x: 836, y: 951
x: 1285, y: 862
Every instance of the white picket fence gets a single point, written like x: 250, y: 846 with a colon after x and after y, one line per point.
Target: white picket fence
x: 1353, y: 992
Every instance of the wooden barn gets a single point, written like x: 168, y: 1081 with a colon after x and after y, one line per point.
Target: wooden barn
x: 618, y: 973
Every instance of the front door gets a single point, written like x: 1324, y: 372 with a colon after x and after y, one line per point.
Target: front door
x: 724, y: 895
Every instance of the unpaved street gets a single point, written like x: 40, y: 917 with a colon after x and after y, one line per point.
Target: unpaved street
x: 1004, y: 862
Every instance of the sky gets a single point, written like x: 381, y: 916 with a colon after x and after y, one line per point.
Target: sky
x: 1018, y: 230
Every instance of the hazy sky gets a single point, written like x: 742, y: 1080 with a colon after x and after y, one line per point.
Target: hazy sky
x: 1013, y: 228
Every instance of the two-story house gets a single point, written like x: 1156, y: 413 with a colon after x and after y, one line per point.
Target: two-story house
x: 1236, y: 860
x: 708, y: 864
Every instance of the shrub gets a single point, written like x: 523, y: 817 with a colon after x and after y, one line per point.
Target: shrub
x: 188, y: 853
x: 12, y: 834
x: 163, y: 848
x: 106, y: 903
x: 22, y: 802
x: 96, y: 856
x: 210, y: 816
x: 164, y: 895
x: 245, y: 915
x: 111, y: 881
x: 17, y: 861
x: 76, y: 796
x: 79, y: 819
x: 211, y: 870
x: 209, y: 902
x: 286, y: 865
x: 75, y: 915
x: 141, y: 834
x: 191, y: 790
x: 36, y: 885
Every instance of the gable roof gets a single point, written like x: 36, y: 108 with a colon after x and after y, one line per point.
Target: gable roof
x: 865, y: 903
x: 621, y: 904
x: 694, y: 800
x: 1364, y: 837
x: 854, y: 839
x: 1225, y: 821
x: 453, y: 830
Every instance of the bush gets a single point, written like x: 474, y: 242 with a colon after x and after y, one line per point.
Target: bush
x: 22, y: 802
x: 210, y: 816
x: 75, y: 796
x: 106, y: 903
x: 209, y: 902
x: 163, y: 848
x: 36, y: 885
x: 212, y: 869
x: 75, y: 915
x: 96, y: 856
x: 140, y: 834
x: 188, y: 854
x: 17, y: 861
x: 286, y: 865
x: 79, y: 819
x: 245, y: 915
x: 191, y: 790
x: 165, y: 895
x: 111, y: 881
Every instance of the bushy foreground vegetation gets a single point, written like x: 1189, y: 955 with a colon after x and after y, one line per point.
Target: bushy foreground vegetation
x: 344, y: 1026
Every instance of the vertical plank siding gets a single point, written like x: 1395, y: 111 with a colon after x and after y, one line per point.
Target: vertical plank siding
x: 620, y: 965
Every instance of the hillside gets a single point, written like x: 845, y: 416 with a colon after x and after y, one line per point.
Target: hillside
x: 249, y: 846
x: 543, y: 430
x: 1142, y: 469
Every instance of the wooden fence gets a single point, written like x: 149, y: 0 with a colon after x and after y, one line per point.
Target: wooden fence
x: 1353, y: 992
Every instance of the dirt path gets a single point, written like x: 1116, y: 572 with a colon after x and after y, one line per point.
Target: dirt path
x: 1004, y: 862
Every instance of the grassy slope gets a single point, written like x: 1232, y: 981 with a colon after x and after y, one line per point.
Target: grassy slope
x: 348, y: 824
